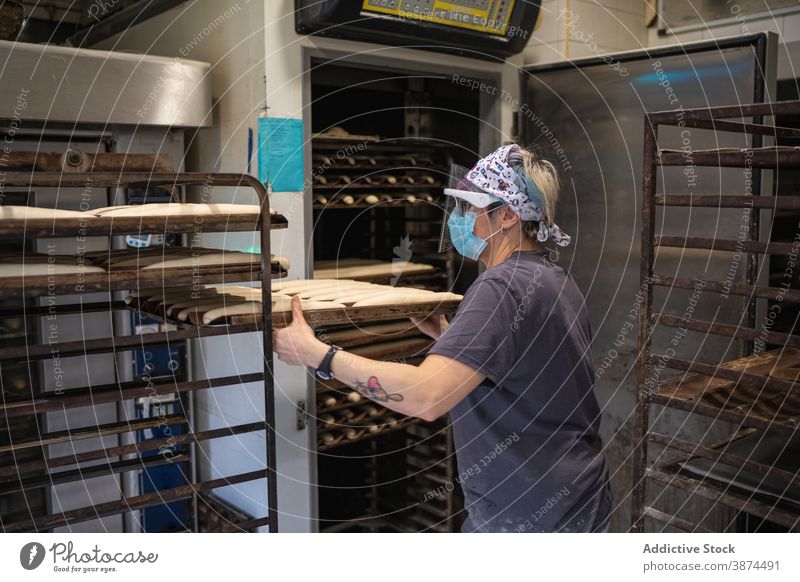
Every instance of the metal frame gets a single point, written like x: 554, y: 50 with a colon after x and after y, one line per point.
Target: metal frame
x: 747, y: 373
x: 82, y: 396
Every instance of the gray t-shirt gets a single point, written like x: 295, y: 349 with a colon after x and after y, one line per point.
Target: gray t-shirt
x: 527, y: 442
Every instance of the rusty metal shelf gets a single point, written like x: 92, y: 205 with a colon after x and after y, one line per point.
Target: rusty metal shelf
x: 116, y: 392
x: 763, y: 157
x: 126, y: 504
x: 757, y: 391
x: 720, y: 493
x: 31, y: 468
x: 36, y: 473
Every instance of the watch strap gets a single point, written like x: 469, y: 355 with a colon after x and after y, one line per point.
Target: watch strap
x: 324, y: 369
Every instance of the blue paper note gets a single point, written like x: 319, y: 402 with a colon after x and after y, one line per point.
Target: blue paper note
x: 280, y: 153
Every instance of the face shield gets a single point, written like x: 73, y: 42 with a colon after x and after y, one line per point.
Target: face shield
x: 461, y: 196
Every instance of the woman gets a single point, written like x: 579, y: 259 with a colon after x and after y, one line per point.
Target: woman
x: 513, y: 369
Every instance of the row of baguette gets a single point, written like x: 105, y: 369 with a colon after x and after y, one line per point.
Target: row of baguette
x: 351, y: 424
x: 374, y: 179
x: 169, y: 257
x: 134, y: 210
x: 217, y: 302
x: 39, y: 264
x: 350, y: 200
x: 335, y: 160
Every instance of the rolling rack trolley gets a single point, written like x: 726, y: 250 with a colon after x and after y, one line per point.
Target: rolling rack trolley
x: 19, y: 477
x: 391, y: 188
x: 757, y: 395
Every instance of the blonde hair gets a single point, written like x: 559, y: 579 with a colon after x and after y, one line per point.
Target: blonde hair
x: 543, y: 175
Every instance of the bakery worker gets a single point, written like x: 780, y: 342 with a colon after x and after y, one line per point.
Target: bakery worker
x: 513, y: 368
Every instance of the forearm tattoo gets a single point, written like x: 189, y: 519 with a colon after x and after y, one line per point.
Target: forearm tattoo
x: 374, y: 391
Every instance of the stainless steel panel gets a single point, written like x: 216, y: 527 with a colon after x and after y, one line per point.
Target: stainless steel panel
x: 63, y: 84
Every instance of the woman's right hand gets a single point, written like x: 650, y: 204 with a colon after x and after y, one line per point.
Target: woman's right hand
x: 433, y: 326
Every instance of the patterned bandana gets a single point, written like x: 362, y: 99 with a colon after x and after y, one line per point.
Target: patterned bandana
x: 494, y: 175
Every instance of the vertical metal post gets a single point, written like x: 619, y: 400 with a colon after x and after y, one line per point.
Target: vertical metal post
x: 641, y: 418
x: 269, y: 380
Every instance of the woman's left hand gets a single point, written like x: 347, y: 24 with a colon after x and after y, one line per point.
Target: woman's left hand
x: 296, y: 343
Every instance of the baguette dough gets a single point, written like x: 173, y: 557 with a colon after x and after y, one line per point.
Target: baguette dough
x: 287, y: 286
x: 382, y: 290
x: 210, y: 259
x: 254, y: 308
x: 404, y: 298
x: 177, y: 257
x: 375, y: 270
x: 337, y: 292
x: 179, y: 209
x: 188, y: 294
x: 168, y: 295
x: 247, y: 308
x: 313, y: 286
x: 178, y: 306
x: 29, y: 212
x: 217, y: 298
x: 284, y: 303
x: 205, y: 306
x: 334, y: 291
x: 44, y: 269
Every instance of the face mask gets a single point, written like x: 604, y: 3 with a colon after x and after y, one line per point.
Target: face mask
x: 468, y: 244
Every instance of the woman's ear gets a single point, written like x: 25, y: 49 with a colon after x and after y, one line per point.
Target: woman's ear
x: 508, y: 218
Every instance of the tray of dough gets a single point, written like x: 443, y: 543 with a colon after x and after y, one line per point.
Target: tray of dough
x: 371, y: 270
x: 765, y: 402
x: 137, y: 218
x: 41, y: 273
x: 325, y: 302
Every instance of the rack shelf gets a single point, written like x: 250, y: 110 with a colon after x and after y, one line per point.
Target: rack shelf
x: 362, y: 203
x: 116, y: 226
x: 39, y: 285
x: 755, y: 392
x: 672, y: 472
x: 763, y: 157
x: 131, y: 503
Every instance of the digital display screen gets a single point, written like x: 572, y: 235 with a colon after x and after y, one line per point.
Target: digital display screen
x: 489, y: 16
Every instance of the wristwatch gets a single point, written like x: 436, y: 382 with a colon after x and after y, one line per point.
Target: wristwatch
x: 323, y: 372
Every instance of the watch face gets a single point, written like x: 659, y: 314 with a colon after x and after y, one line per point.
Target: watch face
x: 323, y: 375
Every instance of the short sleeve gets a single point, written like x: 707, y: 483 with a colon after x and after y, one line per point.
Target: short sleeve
x: 480, y: 334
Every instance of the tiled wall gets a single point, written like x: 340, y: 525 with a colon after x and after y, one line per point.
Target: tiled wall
x: 571, y: 29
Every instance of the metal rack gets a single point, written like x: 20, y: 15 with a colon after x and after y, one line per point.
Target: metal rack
x: 387, y: 183
x: 46, y: 471
x: 755, y: 393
